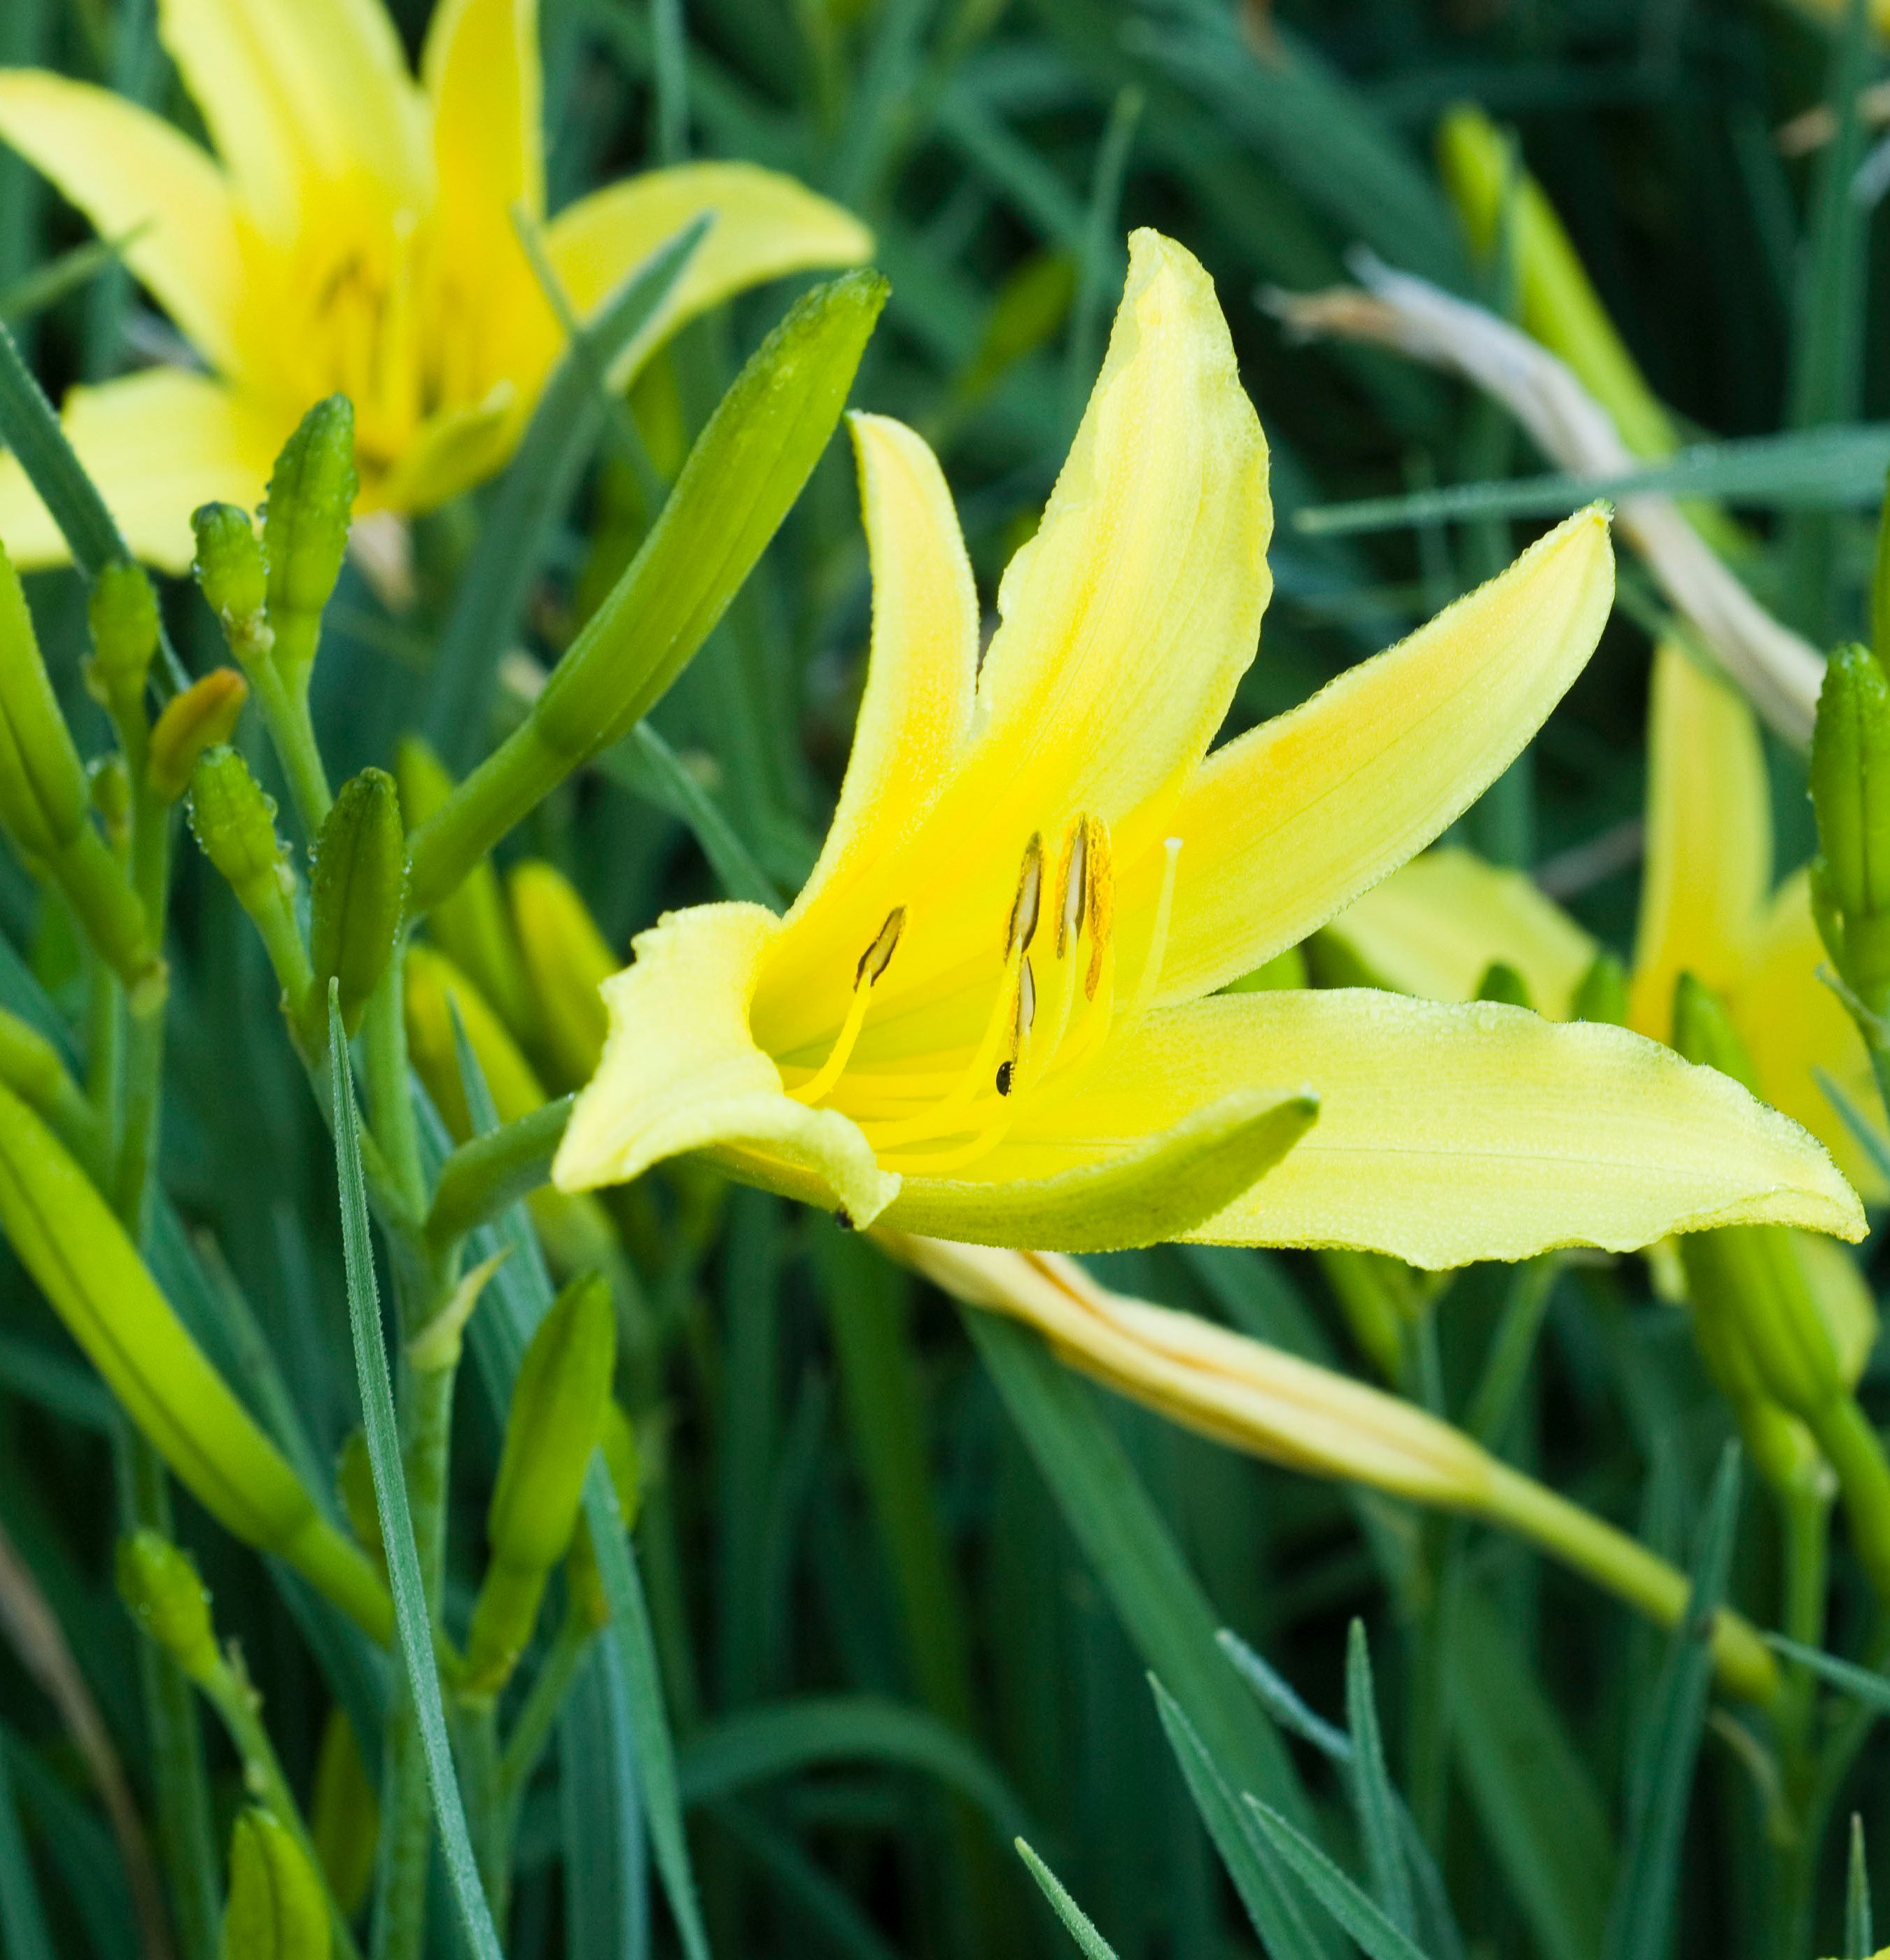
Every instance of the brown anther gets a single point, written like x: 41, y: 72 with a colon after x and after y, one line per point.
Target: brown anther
x: 1070, y: 882
x: 1023, y: 908
x: 1023, y: 1014
x: 1099, y: 878
x: 878, y: 956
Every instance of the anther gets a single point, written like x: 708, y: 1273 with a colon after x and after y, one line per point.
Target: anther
x: 1100, y: 883
x: 878, y: 956
x: 873, y: 963
x: 1075, y: 864
x: 1023, y: 928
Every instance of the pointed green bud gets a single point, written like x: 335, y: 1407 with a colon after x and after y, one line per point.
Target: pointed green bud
x: 277, y: 1909
x: 1602, y: 993
x: 357, y: 891
x: 122, y: 609
x: 1502, y: 982
x: 234, y: 820
x: 344, y: 1819
x: 556, y: 1420
x: 203, y: 716
x: 746, y: 468
x: 232, y: 577
x: 160, y: 1588
x: 43, y: 791
x: 1702, y: 1032
x: 29, y: 1064
x: 1851, y: 795
x: 311, y: 497
x: 568, y: 959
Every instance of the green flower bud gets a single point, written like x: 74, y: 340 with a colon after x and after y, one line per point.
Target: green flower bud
x: 29, y: 1064
x: 122, y: 609
x: 1702, y: 1032
x: 582, y: 1581
x: 43, y: 792
x: 555, y: 1421
x: 358, y: 890
x: 277, y: 1910
x: 1602, y: 994
x: 66, y: 1237
x: 344, y: 1816
x: 568, y: 959
x: 311, y: 497
x: 1851, y: 795
x: 203, y: 717
x: 234, y: 820
x: 160, y: 1588
x: 233, y: 578
x: 1502, y: 981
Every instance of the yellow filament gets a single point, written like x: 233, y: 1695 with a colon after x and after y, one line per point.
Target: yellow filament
x: 938, y: 1121
x: 930, y: 1163
x: 824, y: 1077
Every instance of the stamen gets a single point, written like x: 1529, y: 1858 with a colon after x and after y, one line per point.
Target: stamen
x: 1099, y: 877
x: 1075, y: 862
x: 873, y: 963
x: 1020, y: 1028
x: 1151, y: 974
x: 930, y: 1163
x: 1022, y: 927
x: 941, y: 1118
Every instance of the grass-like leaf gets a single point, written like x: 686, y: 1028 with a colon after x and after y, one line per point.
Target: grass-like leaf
x: 1859, y: 1937
x: 24, y: 1934
x: 413, y: 1623
x: 1358, y: 1914
x: 1372, y: 1798
x: 1090, y: 1942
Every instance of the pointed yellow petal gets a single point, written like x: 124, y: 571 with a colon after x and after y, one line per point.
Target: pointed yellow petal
x: 157, y: 445
x: 299, y: 98
x: 129, y: 171
x: 1709, y: 856
x: 482, y: 77
x: 922, y: 668
x: 1128, y: 619
x: 766, y: 226
x: 1156, y: 1188
x: 450, y: 452
x: 1282, y: 827
x: 681, y: 1072
x: 1450, y: 1133
x: 1434, y: 928
x: 1794, y: 1026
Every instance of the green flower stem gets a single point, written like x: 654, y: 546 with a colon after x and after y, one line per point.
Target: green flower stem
x: 478, y: 1753
x: 292, y: 735
x: 483, y: 1177
x: 1855, y: 1452
x: 525, y: 1747
x: 1744, y: 1663
x: 390, y: 1091
x: 516, y: 778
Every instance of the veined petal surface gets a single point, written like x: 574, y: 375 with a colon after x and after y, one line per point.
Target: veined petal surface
x: 1434, y: 929
x: 1287, y: 824
x: 1709, y: 854
x: 1449, y: 1134
x: 681, y: 1072
x: 157, y: 445
x: 301, y: 97
x: 129, y: 171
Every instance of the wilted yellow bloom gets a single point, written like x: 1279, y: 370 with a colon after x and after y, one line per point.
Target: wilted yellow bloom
x: 355, y: 232
x: 1708, y: 907
x: 991, y: 1014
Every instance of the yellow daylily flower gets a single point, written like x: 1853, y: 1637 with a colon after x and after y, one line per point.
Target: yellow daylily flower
x: 1708, y: 907
x: 991, y: 1015
x: 355, y: 232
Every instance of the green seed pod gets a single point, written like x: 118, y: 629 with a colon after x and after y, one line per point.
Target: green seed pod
x: 357, y: 890
x: 233, y: 580
x: 1851, y: 795
x: 556, y: 1420
x: 311, y: 497
x: 160, y: 1588
x: 43, y: 791
x: 122, y: 609
x: 203, y: 717
x: 1502, y: 981
x: 1602, y: 994
x: 277, y: 1909
x: 234, y: 820
x: 568, y: 959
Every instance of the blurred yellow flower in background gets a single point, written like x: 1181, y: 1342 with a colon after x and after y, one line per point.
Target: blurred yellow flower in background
x: 357, y: 232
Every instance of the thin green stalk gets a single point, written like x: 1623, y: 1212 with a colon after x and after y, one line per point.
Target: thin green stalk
x: 531, y: 1732
x: 478, y: 1753
x: 292, y: 735
x: 1855, y: 1454
x: 391, y: 1090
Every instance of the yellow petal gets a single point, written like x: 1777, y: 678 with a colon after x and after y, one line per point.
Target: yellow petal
x: 1128, y: 619
x: 766, y: 226
x: 1157, y: 1187
x: 681, y: 1072
x: 157, y: 445
x: 1282, y: 827
x: 129, y: 171
x: 922, y: 667
x: 301, y: 98
x: 1794, y: 1026
x: 482, y: 77
x: 1708, y: 854
x: 1450, y: 1133
x: 1434, y: 928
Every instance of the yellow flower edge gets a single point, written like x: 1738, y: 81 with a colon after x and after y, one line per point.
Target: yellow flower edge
x: 354, y: 231
x: 987, y: 1016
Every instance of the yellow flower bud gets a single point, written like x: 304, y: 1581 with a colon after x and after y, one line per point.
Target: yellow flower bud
x: 357, y: 891
x: 160, y: 1588
x: 276, y: 1910
x: 203, y: 717
x: 568, y: 959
